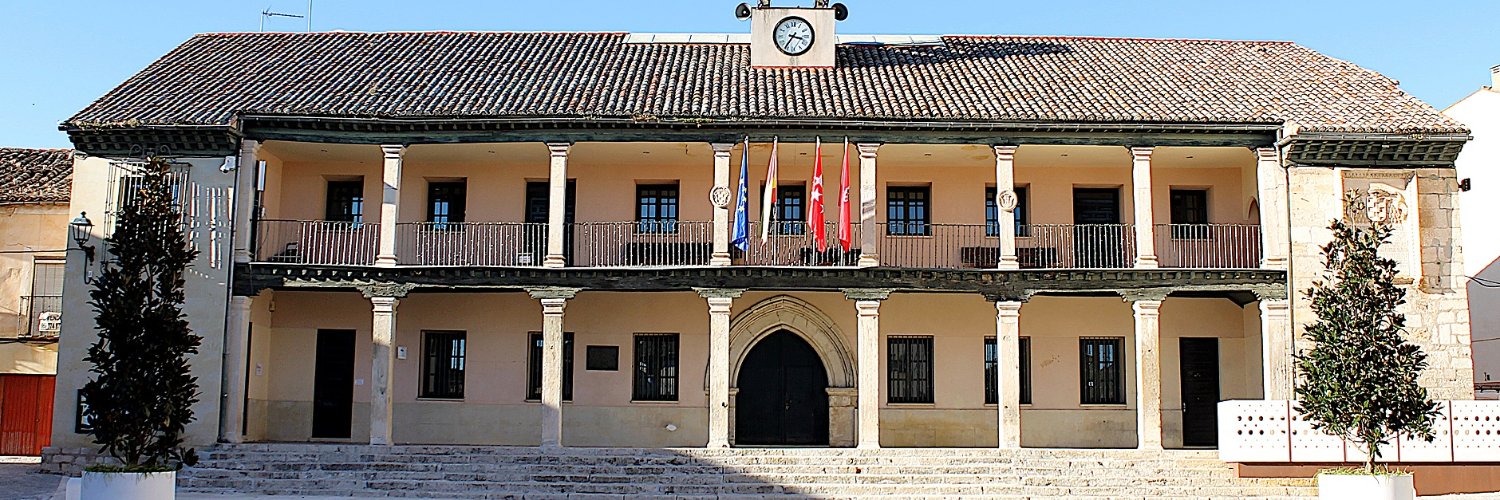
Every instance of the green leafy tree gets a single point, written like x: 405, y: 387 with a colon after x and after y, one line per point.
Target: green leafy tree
x: 142, y: 395
x: 1359, y: 379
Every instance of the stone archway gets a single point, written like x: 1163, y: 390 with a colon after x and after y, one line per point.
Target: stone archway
x: 784, y: 312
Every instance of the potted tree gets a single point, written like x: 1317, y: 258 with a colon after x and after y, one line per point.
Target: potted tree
x: 1358, y: 381
x: 140, y: 399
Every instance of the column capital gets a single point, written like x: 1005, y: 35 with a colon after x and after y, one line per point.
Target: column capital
x: 867, y: 149
x: 722, y: 148
x: 249, y: 147
x: 1270, y: 292
x: 556, y: 293
x: 867, y: 294
x: 720, y: 293
x: 1005, y: 152
x: 393, y: 151
x: 1008, y: 308
x: 374, y: 291
x: 1148, y: 296
x: 1275, y: 307
x: 384, y: 304
x: 1266, y: 154
x: 1142, y: 153
x: 557, y: 149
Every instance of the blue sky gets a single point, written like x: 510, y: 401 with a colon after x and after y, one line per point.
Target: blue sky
x: 59, y: 55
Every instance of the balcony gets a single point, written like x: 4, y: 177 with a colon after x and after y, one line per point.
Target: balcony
x: 787, y: 244
x: 42, y: 316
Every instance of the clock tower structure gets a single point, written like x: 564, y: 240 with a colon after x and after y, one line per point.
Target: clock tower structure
x: 793, y: 37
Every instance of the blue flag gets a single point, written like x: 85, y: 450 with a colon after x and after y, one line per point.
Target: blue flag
x: 741, y: 238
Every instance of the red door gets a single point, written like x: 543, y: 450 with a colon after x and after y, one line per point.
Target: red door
x: 25, y: 413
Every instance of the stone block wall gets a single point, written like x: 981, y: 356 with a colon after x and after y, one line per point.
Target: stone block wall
x: 1437, y: 303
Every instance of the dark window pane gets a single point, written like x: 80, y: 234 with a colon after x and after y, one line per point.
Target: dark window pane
x: 909, y: 369
x: 1025, y: 343
x: 446, y: 203
x: 656, y: 208
x: 534, y: 367
x: 346, y: 201
x: 655, y: 367
x: 1101, y: 367
x: 991, y: 390
x: 443, y: 359
x: 906, y: 210
x: 790, y: 210
x: 1189, y: 206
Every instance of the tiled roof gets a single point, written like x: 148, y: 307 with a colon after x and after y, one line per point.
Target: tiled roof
x: 35, y: 175
x: 212, y: 78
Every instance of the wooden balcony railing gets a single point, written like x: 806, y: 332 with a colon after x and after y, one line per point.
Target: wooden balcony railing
x: 41, y: 316
x: 1208, y: 246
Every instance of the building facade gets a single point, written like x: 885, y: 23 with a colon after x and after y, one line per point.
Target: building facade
x: 528, y: 238
x: 33, y: 239
x: 1479, y: 112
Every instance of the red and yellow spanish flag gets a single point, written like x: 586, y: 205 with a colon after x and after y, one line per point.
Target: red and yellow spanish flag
x: 768, y: 200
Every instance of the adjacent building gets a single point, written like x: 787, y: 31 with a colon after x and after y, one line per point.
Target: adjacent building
x: 34, y: 186
x: 528, y: 238
x: 1476, y: 166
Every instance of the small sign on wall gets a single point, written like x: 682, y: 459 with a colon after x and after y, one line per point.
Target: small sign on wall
x: 83, y: 422
x: 602, y: 358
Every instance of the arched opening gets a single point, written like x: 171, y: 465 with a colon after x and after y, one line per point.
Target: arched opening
x: 783, y: 394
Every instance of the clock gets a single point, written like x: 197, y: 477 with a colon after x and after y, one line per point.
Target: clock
x: 794, y: 36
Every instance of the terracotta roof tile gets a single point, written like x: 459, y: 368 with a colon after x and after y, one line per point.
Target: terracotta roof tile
x: 35, y: 175
x: 212, y: 78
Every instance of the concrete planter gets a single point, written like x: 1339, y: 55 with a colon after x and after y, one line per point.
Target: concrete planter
x: 1362, y: 487
x: 129, y: 486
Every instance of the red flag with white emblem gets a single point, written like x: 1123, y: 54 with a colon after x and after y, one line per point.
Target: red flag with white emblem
x: 846, y: 233
x: 815, y: 210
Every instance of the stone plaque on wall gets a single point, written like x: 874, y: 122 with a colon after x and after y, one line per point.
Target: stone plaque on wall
x: 1389, y: 197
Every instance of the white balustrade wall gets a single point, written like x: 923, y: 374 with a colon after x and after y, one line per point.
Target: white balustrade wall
x: 1273, y: 432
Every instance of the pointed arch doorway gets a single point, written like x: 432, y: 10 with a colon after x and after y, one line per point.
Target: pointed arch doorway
x: 783, y: 394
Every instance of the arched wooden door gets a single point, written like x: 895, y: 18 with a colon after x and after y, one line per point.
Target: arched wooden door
x: 783, y: 397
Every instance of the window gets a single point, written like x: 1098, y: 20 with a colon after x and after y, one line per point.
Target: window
x: 127, y: 181
x: 602, y: 358
x: 907, y: 210
x: 1189, y: 206
x: 443, y: 365
x: 655, y: 367
x: 992, y: 213
x: 43, y: 308
x: 346, y: 201
x: 656, y: 208
x: 1101, y: 379
x: 446, y: 203
x: 909, y: 369
x: 790, y: 211
x: 534, y: 365
x: 991, y: 393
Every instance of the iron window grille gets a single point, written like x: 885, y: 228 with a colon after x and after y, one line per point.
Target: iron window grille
x: 126, y: 181
x: 655, y: 367
x: 443, y: 360
x: 42, y: 310
x: 1101, y: 378
x: 991, y: 363
x: 1190, y: 214
x: 909, y: 369
x: 907, y: 211
x: 992, y: 213
x: 446, y: 204
x: 656, y: 208
x: 534, y: 367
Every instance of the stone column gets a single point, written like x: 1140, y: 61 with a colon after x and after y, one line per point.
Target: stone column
x: 553, y: 300
x: 390, y: 204
x: 1145, y: 218
x: 869, y: 255
x: 236, y: 362
x: 383, y: 298
x: 1276, y: 341
x: 867, y: 304
x: 1147, y: 369
x: 557, y: 203
x: 1275, y: 234
x: 721, y: 197
x: 244, y: 200
x: 1005, y: 196
x: 1008, y: 372
x: 842, y: 403
x: 719, y: 302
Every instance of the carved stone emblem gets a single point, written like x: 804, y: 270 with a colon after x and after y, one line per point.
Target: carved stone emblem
x: 719, y: 196
x: 1376, y: 205
x: 1007, y: 200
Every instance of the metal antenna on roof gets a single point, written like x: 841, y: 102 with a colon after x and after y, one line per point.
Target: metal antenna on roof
x: 267, y: 13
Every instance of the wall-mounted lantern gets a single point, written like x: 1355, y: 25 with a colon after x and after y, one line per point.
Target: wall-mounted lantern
x: 81, y: 229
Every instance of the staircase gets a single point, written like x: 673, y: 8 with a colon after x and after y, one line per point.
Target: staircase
x: 524, y: 472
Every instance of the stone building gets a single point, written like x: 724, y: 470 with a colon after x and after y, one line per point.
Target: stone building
x: 33, y: 235
x: 528, y: 238
x: 1480, y: 112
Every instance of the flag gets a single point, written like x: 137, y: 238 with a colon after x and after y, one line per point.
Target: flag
x: 815, y: 208
x: 846, y: 233
x: 768, y: 200
x: 741, y: 218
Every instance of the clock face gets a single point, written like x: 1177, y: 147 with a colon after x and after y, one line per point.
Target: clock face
x: 794, y: 36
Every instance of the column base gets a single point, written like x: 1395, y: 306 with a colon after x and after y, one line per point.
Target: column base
x: 868, y: 446
x: 1147, y: 263
x: 720, y: 259
x: 1274, y: 263
x: 717, y: 445
x: 385, y: 261
x: 868, y: 260
x: 555, y: 261
x: 1009, y: 262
